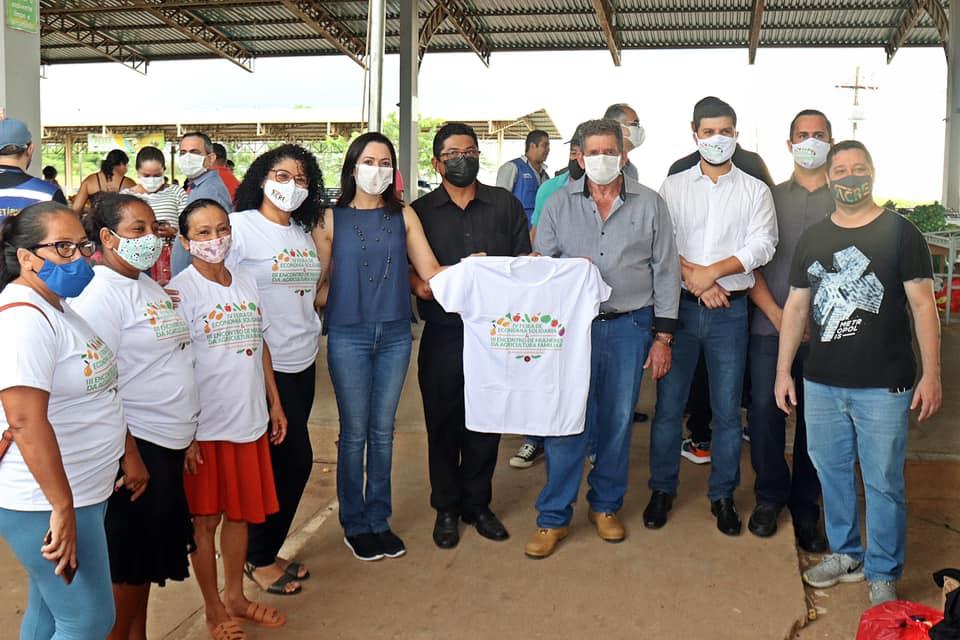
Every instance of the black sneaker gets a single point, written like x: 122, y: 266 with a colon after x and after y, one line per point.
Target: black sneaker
x: 391, y: 544
x: 366, y: 546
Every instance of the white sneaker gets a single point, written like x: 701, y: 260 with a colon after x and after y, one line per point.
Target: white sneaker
x: 834, y: 568
x: 526, y: 455
x: 882, y: 591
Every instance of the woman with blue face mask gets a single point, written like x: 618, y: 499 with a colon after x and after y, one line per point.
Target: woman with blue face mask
x: 149, y: 532
x: 63, y: 423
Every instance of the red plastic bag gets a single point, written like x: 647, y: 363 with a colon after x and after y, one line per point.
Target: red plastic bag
x: 898, y: 620
x: 941, y: 296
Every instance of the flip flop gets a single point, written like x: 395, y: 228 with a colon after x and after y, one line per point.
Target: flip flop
x: 262, y: 616
x: 278, y: 588
x: 228, y: 630
x: 293, y: 569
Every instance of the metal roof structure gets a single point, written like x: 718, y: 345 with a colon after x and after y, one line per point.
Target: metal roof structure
x: 136, y: 32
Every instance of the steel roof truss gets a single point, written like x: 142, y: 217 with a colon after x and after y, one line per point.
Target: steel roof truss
x: 94, y: 39
x: 315, y: 16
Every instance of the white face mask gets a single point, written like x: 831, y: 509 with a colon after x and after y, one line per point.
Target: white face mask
x: 716, y: 149
x: 602, y: 169
x: 811, y: 153
x: 373, y: 180
x: 150, y: 184
x: 286, y: 196
x: 191, y: 164
x: 212, y: 251
x: 635, y: 134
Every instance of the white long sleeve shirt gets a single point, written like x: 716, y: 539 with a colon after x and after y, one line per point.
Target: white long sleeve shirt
x: 711, y: 222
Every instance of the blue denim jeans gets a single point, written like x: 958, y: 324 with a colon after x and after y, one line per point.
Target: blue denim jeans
x: 618, y: 350
x: 368, y: 364
x: 56, y: 611
x: 869, y: 426
x: 721, y: 334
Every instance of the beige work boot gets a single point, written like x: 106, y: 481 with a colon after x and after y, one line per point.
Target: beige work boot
x: 608, y: 525
x: 543, y: 541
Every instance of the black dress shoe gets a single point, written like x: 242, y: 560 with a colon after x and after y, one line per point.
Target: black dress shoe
x: 640, y: 417
x: 445, y: 532
x: 655, y: 515
x: 810, y: 538
x: 488, y: 525
x: 728, y: 520
x: 763, y: 520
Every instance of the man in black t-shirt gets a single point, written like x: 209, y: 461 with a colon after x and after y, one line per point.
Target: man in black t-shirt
x: 854, y: 274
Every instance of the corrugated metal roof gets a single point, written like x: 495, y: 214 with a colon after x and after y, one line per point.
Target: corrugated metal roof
x: 271, y: 29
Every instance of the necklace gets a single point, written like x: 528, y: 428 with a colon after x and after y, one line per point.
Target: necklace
x: 362, y: 237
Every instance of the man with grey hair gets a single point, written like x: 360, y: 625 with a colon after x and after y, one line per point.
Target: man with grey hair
x: 624, y: 228
x: 633, y: 133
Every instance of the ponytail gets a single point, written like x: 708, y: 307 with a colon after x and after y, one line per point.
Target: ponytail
x: 22, y: 231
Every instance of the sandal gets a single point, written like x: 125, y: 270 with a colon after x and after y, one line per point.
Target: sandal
x: 228, y: 630
x: 293, y: 569
x: 278, y: 588
x: 262, y: 616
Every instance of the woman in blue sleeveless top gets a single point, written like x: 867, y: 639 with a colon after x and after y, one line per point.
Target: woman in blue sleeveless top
x: 367, y: 240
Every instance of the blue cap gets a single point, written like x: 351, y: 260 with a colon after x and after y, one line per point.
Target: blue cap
x: 14, y: 132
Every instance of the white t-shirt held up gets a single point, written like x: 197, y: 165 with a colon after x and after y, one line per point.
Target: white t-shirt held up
x: 526, y: 342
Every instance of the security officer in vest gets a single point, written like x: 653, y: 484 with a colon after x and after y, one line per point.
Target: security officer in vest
x: 523, y: 176
x: 18, y: 189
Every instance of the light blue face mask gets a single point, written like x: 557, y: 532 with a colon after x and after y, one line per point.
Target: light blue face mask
x: 66, y: 280
x: 140, y: 253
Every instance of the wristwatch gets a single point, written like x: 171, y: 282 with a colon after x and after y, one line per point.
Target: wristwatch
x: 665, y: 338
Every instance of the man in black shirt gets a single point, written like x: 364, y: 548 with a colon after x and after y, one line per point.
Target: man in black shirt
x: 460, y: 218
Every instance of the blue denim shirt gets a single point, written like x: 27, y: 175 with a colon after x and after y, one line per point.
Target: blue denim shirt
x: 207, y: 185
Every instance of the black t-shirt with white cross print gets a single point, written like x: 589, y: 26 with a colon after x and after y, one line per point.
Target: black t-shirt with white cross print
x: 859, y: 324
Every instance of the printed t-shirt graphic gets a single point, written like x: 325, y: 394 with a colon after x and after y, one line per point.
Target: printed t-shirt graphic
x: 837, y: 294
x: 526, y: 343
x: 227, y: 326
x: 284, y: 261
x: 70, y: 361
x: 155, y: 360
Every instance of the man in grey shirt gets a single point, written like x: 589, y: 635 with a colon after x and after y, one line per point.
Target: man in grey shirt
x: 624, y: 228
x: 801, y: 201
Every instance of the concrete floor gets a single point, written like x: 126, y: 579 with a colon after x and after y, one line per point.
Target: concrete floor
x: 684, y: 581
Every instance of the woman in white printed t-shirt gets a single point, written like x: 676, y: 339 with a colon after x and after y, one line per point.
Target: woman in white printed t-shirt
x: 58, y: 388
x: 239, y: 412
x: 277, y: 206
x: 149, y: 532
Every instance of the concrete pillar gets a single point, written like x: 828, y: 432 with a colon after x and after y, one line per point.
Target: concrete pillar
x: 409, y: 158
x: 68, y: 182
x: 951, y: 152
x: 20, y: 80
x: 375, y: 47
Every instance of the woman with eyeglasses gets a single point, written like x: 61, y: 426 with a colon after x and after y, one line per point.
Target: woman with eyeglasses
x: 166, y: 200
x: 278, y: 205
x: 149, y: 532
x: 369, y: 236
x: 63, y: 422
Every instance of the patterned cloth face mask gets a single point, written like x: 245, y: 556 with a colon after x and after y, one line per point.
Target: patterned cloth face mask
x: 140, y: 253
x: 212, y: 251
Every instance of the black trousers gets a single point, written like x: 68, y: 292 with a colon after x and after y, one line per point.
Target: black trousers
x: 292, y: 461
x: 461, y: 461
x: 699, y: 413
x: 776, y: 486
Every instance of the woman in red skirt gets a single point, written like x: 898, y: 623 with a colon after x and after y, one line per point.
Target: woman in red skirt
x: 229, y: 479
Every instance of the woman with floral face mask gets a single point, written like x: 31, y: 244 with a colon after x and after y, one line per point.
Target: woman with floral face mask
x: 278, y: 204
x: 166, y: 200
x: 149, y: 532
x: 58, y: 389
x: 369, y: 235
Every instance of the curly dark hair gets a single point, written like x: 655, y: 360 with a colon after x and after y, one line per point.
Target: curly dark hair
x: 250, y: 192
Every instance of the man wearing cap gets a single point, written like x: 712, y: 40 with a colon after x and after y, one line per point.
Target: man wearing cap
x: 18, y: 189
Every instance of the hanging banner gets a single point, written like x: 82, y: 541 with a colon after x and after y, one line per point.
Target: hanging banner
x: 23, y: 15
x: 131, y: 143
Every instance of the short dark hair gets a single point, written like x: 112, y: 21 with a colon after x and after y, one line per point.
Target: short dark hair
x: 534, y: 138
x: 230, y: 164
x: 151, y: 154
x: 13, y: 150
x: 711, y: 107
x: 617, y: 111
x: 348, y: 182
x: 207, y: 142
x: 811, y: 112
x: 219, y: 151
x: 848, y: 145
x: 452, y: 129
x: 116, y: 158
x: 22, y: 231
x: 49, y: 172
x: 602, y: 127
x: 200, y: 203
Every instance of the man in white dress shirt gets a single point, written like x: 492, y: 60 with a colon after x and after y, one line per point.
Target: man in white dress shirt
x: 725, y: 227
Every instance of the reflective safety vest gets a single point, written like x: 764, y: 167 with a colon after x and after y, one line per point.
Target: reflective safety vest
x: 525, y: 186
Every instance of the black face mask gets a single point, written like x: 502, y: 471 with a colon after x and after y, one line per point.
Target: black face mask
x: 575, y: 170
x: 461, y: 172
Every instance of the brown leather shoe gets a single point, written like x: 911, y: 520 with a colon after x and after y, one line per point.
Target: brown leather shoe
x: 543, y: 541
x: 609, y: 527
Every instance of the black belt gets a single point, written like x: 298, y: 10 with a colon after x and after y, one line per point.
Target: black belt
x: 603, y: 316
x: 734, y: 295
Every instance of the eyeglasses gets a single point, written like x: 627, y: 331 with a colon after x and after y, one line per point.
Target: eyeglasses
x: 456, y: 155
x: 283, y: 177
x: 66, y: 249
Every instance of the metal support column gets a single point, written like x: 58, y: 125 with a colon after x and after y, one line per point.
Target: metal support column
x: 68, y: 181
x: 409, y: 118
x: 951, y: 152
x: 20, y: 79
x: 375, y: 46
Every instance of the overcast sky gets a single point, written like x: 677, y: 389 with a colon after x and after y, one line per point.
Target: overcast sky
x: 903, y: 124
